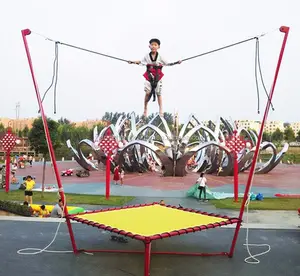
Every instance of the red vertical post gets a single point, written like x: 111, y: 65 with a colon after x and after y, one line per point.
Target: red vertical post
x: 107, y: 188
x: 7, y: 170
x: 147, y: 258
x: 48, y: 138
x: 284, y: 30
x: 108, y: 144
x: 234, y: 145
x: 236, y: 176
x: 235, y: 167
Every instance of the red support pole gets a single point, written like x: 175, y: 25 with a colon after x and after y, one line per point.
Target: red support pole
x: 284, y: 30
x: 236, y: 177
x: 7, y: 170
x: 48, y: 138
x: 107, y: 186
x: 147, y: 258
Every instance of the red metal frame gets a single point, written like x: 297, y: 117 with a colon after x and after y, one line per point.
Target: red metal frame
x: 157, y: 236
x: 147, y: 241
x: 284, y: 30
x: 25, y: 33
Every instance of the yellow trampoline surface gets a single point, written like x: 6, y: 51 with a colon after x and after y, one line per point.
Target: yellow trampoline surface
x: 151, y: 220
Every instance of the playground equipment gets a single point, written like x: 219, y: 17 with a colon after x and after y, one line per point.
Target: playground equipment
x: 156, y: 221
x: 140, y: 144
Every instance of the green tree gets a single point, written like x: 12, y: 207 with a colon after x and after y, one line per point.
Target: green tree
x: 19, y: 133
x: 2, y: 128
x: 277, y: 136
x: 65, y: 132
x: 289, y: 134
x: 169, y: 118
x: 64, y: 121
x: 267, y: 136
x: 25, y: 131
x: 298, y: 136
x: 38, y: 143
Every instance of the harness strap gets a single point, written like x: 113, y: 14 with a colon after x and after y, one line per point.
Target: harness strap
x: 153, y: 80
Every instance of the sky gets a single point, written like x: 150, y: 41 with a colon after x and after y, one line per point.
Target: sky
x: 219, y: 84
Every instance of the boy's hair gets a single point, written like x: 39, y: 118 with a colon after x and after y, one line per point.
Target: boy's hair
x: 28, y: 176
x: 25, y: 203
x: 43, y: 207
x: 156, y: 40
x: 202, y: 174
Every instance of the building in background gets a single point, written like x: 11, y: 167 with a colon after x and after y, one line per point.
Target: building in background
x: 91, y: 123
x: 295, y: 127
x: 271, y: 126
x: 248, y: 124
x: 17, y: 124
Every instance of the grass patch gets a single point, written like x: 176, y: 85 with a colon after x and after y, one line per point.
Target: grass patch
x: 51, y: 198
x: 266, y: 204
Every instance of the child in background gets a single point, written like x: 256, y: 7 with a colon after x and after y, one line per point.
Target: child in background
x: 43, y: 212
x: 29, y: 183
x: 29, y: 207
x: 116, y: 175
x: 122, y: 174
x: 202, y: 186
x: 14, y: 180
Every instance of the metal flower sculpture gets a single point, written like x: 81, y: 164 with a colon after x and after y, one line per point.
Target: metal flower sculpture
x: 141, y: 145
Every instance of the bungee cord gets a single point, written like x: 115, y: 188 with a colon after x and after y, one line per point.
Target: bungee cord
x: 258, y: 66
x: 261, y: 76
x: 256, y: 79
x: 257, y: 63
x: 54, y: 77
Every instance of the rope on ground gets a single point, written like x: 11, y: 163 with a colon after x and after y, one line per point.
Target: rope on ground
x: 35, y: 251
x: 252, y: 258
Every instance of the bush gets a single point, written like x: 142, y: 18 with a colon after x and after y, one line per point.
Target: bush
x: 15, y: 208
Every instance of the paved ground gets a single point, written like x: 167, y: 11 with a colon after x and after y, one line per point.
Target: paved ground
x: 283, y: 179
x: 283, y: 259
x: 256, y: 218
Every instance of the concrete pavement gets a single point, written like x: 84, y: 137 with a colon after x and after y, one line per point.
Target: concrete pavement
x: 283, y: 259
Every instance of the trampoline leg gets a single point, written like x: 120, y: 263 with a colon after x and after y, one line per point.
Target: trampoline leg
x: 147, y: 258
x: 75, y: 250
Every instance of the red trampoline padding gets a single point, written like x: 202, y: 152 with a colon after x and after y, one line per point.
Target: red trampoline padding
x: 153, y: 221
x: 288, y: 195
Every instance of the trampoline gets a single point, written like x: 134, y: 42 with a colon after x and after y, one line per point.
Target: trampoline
x: 148, y: 222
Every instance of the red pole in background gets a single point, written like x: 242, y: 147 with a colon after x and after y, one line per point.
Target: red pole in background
x: 48, y: 139
x: 235, y: 144
x: 108, y: 144
x: 236, y: 177
x: 7, y: 171
x: 284, y: 30
x: 107, y: 186
x: 8, y: 143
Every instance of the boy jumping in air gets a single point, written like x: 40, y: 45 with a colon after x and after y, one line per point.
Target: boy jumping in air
x: 153, y: 75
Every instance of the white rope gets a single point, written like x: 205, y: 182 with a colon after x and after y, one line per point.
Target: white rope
x: 252, y: 259
x: 39, y: 250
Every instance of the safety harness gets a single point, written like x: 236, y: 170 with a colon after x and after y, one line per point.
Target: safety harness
x: 153, y: 75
